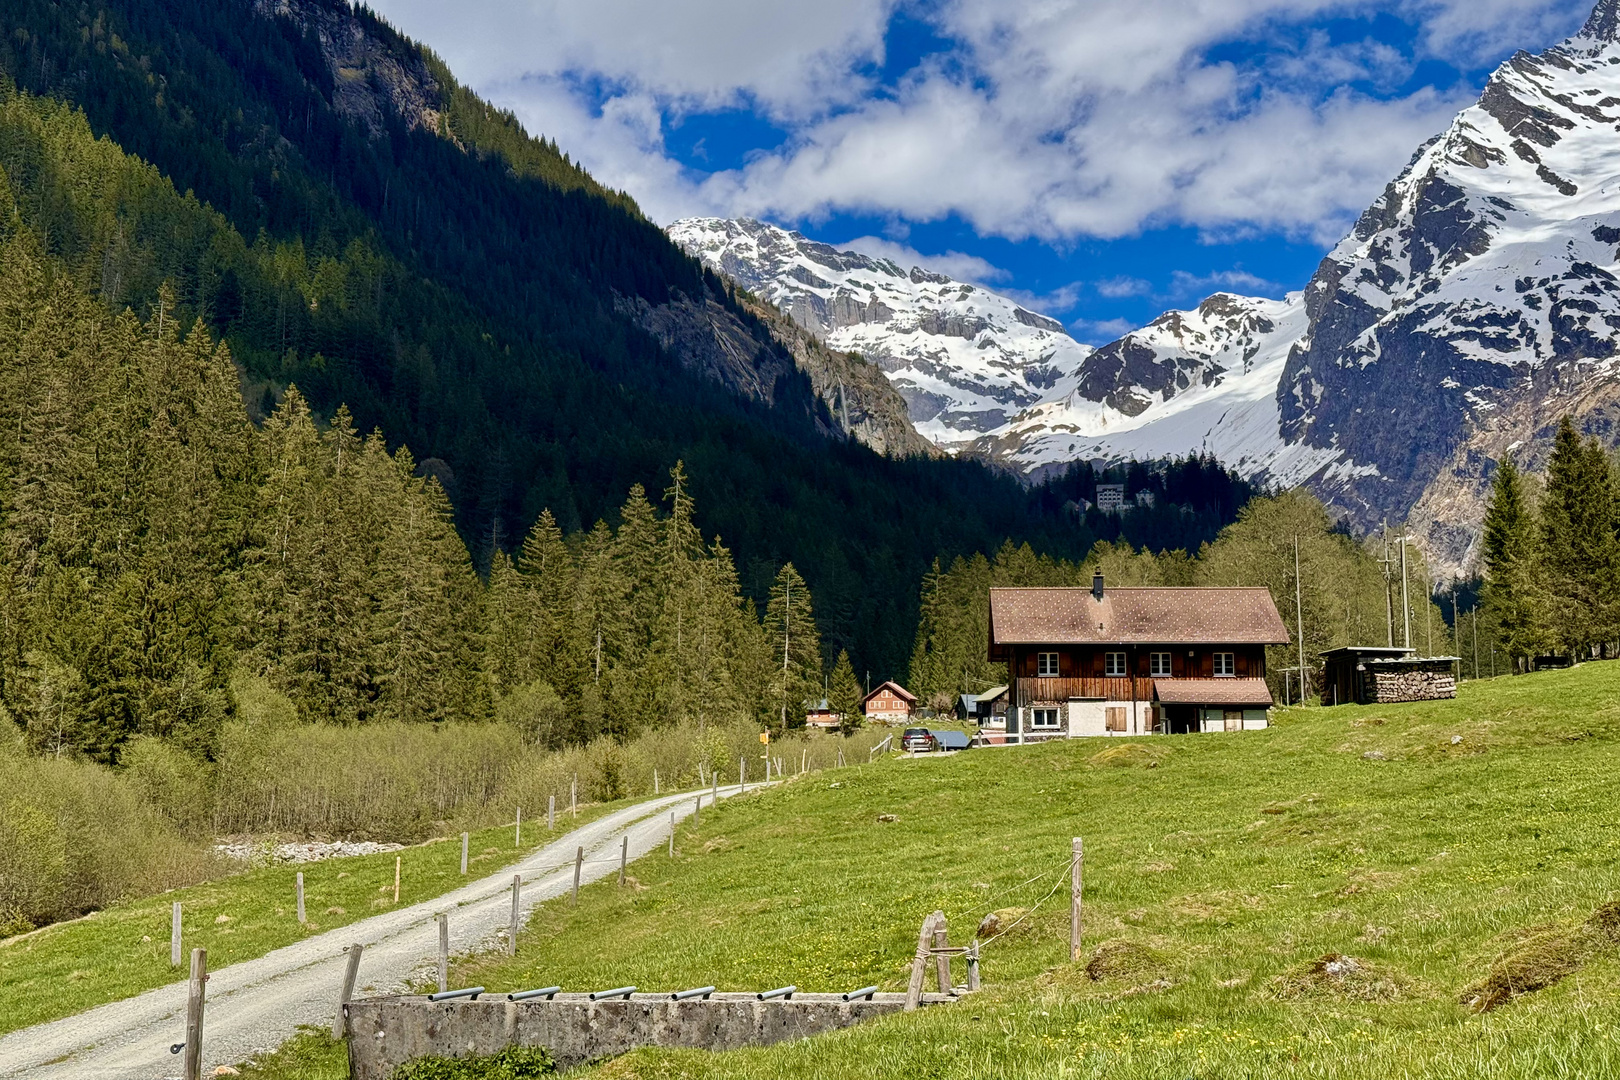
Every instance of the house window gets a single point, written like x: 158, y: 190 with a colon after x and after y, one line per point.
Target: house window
x: 1046, y: 665
x: 1224, y: 665
x: 1044, y: 718
x: 1159, y: 664
x: 1233, y: 719
x: 1114, y: 664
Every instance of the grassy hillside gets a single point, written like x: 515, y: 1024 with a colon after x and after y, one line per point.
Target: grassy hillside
x: 1222, y: 875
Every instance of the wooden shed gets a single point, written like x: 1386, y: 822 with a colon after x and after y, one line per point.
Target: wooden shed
x: 1379, y: 674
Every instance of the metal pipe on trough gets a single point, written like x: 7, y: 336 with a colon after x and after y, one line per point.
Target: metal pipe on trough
x: 547, y: 992
x: 695, y: 992
x: 783, y: 992
x: 863, y: 992
x: 471, y: 993
x: 616, y: 992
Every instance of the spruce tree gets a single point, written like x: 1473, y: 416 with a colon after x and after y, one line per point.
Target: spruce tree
x: 1578, y: 544
x: 548, y: 577
x: 844, y: 694
x: 1511, y: 582
x: 790, y: 628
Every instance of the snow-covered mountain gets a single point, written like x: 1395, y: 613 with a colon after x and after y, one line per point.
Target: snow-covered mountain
x: 1190, y: 382
x: 965, y: 359
x: 1475, y: 302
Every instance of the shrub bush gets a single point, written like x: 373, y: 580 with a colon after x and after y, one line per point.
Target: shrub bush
x: 513, y: 1063
x: 76, y: 836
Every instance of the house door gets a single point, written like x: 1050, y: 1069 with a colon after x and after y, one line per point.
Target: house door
x: 1181, y: 719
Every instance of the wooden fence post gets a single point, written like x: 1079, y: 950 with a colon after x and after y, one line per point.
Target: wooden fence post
x: 973, y: 966
x: 579, y: 862
x: 301, y: 919
x: 517, y: 830
x: 942, y: 961
x: 573, y: 796
x: 443, y: 919
x: 919, y: 964
x: 1075, y: 885
x: 697, y: 812
x: 396, y: 879
x: 742, y: 773
x: 714, y: 778
x: 551, y: 812
x: 511, y: 937
x: 655, y: 781
x: 840, y: 757
x: 194, y: 1014
x: 351, y: 970
x: 624, y: 856
x: 174, y: 935
x: 672, y: 834
x: 464, y: 854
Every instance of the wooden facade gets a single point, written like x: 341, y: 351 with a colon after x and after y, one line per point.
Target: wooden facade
x: 890, y: 703
x: 1134, y: 661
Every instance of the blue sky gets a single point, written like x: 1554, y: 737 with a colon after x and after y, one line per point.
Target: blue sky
x: 1101, y: 160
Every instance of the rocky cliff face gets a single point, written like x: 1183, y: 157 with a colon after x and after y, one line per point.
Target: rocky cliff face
x: 1474, y: 301
x: 373, y: 73
x: 965, y: 359
x: 377, y: 74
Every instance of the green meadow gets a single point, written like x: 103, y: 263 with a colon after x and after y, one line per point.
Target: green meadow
x: 1418, y: 890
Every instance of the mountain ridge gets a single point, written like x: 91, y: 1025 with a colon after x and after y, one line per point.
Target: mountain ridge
x: 1473, y: 302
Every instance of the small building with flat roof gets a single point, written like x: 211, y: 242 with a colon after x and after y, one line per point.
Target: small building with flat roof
x: 1384, y: 674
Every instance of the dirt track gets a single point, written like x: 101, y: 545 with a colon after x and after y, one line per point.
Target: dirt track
x: 255, y: 1005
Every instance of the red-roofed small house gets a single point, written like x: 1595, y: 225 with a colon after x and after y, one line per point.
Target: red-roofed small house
x: 889, y: 703
x: 1134, y: 661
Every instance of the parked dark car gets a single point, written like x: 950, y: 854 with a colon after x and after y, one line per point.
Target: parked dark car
x: 918, y: 739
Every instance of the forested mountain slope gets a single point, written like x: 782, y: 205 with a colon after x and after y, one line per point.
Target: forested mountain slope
x: 358, y: 224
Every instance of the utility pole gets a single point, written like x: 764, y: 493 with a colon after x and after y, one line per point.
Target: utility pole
x: 1299, y: 622
x: 787, y: 622
x: 1389, y: 602
x: 1476, y: 640
x: 1406, y: 603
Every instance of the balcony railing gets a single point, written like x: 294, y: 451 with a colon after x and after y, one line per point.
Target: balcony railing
x: 1057, y: 691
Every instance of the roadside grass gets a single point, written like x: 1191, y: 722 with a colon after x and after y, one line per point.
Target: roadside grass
x: 124, y: 949
x: 1221, y: 873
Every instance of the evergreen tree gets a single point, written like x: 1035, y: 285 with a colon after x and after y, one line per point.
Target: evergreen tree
x: 548, y: 578
x: 844, y: 694
x: 790, y: 627
x: 1510, y: 596
x: 1579, y: 554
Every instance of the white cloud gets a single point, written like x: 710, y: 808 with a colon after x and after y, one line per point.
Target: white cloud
x: 1184, y: 284
x: 1100, y: 331
x: 1118, y: 288
x: 1059, y: 300
x: 791, y: 58
x: 954, y: 264
x: 1052, y: 119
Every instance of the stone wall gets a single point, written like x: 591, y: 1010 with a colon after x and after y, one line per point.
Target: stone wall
x: 386, y: 1032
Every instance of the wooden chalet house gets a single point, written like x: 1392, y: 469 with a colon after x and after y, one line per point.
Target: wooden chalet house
x: 889, y: 703
x: 1134, y: 661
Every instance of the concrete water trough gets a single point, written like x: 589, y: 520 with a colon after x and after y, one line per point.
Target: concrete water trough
x: 386, y: 1032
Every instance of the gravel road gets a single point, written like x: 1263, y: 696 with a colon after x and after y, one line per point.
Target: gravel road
x: 255, y: 1005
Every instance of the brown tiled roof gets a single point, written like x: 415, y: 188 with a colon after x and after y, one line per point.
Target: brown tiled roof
x: 1212, y: 691
x: 894, y: 688
x: 1135, y: 616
